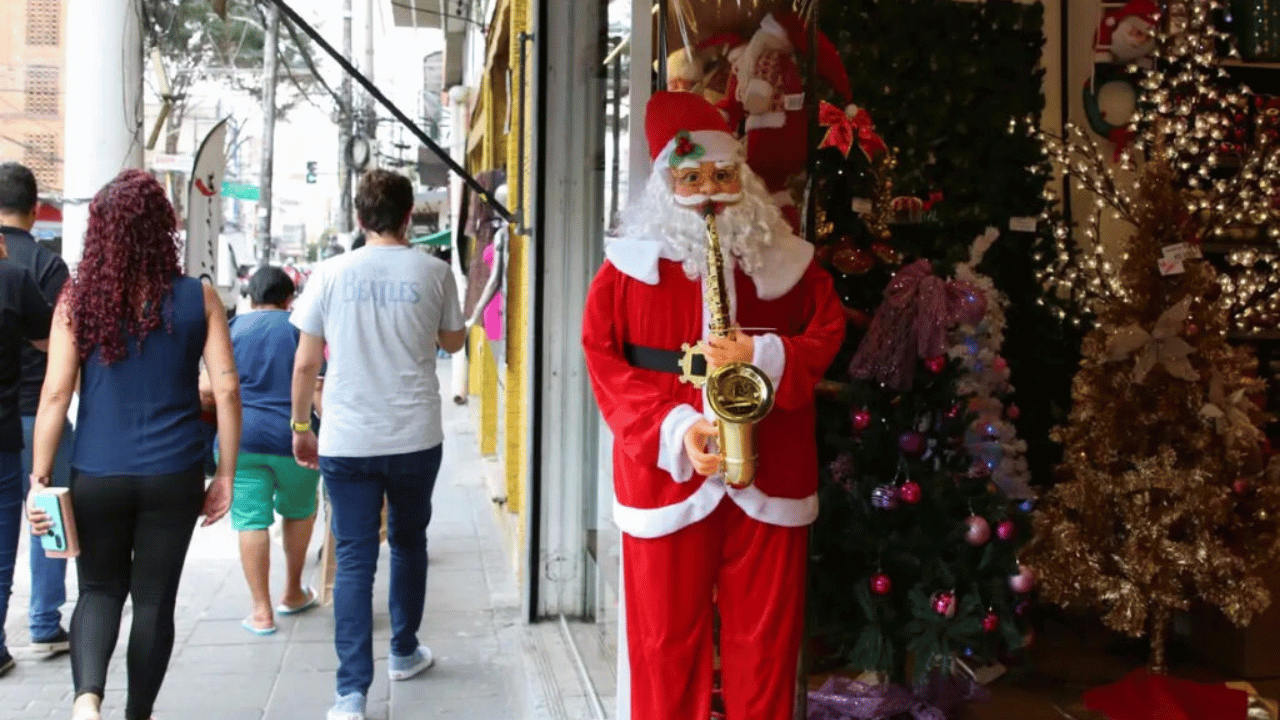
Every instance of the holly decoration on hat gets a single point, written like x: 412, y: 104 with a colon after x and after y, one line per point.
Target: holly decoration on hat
x: 685, y: 149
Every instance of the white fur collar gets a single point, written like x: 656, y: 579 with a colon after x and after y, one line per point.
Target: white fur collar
x: 783, y: 262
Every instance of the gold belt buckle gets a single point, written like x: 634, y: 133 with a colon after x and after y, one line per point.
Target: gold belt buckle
x: 687, y: 374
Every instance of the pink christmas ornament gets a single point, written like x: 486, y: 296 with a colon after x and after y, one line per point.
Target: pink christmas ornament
x: 977, y: 530
x: 861, y: 420
x: 912, y: 443
x: 1024, y: 581
x: 944, y: 603
x: 1006, y: 530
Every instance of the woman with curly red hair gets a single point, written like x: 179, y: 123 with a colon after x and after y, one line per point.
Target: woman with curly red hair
x: 134, y: 330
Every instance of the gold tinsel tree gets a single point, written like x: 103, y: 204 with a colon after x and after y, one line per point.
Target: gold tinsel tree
x: 1163, y: 498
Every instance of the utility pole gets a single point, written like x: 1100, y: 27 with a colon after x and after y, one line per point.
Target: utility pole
x: 103, y: 133
x: 268, y: 132
x: 345, y: 116
x: 370, y: 106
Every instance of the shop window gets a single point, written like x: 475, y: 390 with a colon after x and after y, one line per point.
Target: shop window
x: 42, y: 157
x: 42, y: 91
x: 43, y: 22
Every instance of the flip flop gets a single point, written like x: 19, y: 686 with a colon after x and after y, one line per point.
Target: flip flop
x: 313, y: 598
x: 247, y: 624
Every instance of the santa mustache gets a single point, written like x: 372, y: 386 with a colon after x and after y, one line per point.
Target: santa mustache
x: 699, y: 200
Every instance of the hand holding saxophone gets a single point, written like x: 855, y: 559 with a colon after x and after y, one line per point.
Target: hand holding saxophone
x: 735, y: 347
x: 695, y: 445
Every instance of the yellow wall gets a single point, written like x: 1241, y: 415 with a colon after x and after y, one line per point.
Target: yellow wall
x: 503, y: 412
x: 519, y: 318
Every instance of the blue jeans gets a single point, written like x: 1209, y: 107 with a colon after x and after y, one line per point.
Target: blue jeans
x: 48, y: 575
x: 356, y: 486
x: 10, y: 526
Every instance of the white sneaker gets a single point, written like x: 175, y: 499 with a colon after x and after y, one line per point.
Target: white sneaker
x: 347, y: 707
x: 403, y: 668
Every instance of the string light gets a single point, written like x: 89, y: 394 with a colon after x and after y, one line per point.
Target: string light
x: 1185, y: 119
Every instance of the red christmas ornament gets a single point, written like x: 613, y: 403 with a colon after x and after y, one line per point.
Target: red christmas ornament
x: 1006, y: 530
x: 861, y: 420
x: 910, y: 492
x: 977, y: 530
x: 952, y: 412
x: 881, y: 584
x: 991, y: 622
x: 911, y: 443
x: 1012, y: 412
x: 1000, y: 363
x: 944, y: 603
x: 1191, y: 329
x: 936, y: 364
x: 1240, y: 486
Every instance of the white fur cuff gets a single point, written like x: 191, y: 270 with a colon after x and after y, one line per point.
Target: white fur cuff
x: 671, y: 454
x: 770, y: 356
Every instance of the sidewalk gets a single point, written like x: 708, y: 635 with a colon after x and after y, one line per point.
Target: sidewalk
x: 489, y: 662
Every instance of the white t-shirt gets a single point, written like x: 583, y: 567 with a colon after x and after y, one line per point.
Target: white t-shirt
x: 380, y: 309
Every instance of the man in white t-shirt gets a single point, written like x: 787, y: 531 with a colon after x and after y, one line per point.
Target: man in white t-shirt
x: 382, y: 310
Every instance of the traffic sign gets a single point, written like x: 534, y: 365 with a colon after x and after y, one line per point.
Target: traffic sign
x: 240, y: 191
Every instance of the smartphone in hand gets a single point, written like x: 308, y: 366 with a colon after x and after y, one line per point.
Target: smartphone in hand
x: 61, y: 540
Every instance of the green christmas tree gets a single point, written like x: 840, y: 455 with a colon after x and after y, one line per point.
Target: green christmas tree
x: 914, y: 552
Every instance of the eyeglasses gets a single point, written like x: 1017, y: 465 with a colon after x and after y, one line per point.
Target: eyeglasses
x: 694, y: 178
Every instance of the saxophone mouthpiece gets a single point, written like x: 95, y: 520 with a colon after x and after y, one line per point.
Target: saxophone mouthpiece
x: 710, y: 209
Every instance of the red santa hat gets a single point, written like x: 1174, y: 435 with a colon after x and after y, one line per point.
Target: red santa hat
x: 684, y: 129
x: 830, y: 66
x: 1145, y: 10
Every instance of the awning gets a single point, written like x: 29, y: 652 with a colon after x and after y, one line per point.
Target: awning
x: 444, y: 238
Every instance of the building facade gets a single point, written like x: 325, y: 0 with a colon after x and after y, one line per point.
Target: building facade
x: 31, y: 87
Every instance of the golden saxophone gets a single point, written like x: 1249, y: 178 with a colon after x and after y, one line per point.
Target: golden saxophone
x: 740, y: 394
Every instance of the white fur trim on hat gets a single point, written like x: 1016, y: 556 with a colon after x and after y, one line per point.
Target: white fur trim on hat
x: 717, y: 146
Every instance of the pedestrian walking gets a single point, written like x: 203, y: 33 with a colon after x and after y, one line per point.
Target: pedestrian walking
x: 134, y: 330
x: 18, y: 202
x: 383, y: 310
x: 24, y: 319
x: 268, y: 479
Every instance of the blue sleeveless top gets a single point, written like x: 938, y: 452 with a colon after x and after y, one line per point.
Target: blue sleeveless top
x: 141, y: 414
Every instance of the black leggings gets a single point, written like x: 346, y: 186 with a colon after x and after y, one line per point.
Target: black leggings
x: 134, y: 533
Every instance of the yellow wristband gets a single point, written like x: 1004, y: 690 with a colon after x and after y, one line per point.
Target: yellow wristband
x: 300, y: 427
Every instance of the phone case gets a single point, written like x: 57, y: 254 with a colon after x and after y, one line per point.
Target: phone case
x: 61, y: 540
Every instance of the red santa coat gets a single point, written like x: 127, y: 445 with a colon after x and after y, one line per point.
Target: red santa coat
x: 642, y: 297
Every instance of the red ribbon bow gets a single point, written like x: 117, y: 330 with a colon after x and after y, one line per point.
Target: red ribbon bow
x: 843, y: 128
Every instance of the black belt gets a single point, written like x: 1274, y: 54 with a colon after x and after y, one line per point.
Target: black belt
x: 648, y: 358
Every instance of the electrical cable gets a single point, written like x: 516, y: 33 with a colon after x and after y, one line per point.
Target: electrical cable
x: 399, y: 114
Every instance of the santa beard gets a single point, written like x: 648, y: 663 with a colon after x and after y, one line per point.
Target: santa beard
x: 746, y: 227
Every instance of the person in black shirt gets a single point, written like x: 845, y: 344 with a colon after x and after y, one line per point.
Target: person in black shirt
x: 24, y: 318
x: 18, y: 201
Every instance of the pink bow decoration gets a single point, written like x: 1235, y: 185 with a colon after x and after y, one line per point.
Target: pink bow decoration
x: 843, y: 127
x: 911, y: 324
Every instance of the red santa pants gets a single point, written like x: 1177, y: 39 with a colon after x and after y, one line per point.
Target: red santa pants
x: 757, y: 572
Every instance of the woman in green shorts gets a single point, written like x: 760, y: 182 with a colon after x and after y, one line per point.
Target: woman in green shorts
x: 268, y: 481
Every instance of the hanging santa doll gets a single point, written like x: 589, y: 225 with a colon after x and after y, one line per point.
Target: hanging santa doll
x: 766, y: 95
x: 691, y: 543
x: 1128, y: 34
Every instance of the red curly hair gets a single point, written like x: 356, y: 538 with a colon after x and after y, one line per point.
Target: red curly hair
x: 130, y: 262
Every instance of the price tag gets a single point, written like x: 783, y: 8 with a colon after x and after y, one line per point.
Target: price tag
x: 1181, y: 251
x: 862, y: 206
x: 1023, y: 224
x: 1170, y: 266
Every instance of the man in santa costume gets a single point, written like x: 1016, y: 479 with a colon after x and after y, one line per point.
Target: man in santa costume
x: 689, y: 542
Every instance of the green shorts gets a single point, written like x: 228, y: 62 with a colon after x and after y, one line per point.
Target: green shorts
x: 260, y: 479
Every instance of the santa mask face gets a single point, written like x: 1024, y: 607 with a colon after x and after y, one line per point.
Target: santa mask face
x: 693, y: 186
x: 1132, y: 39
